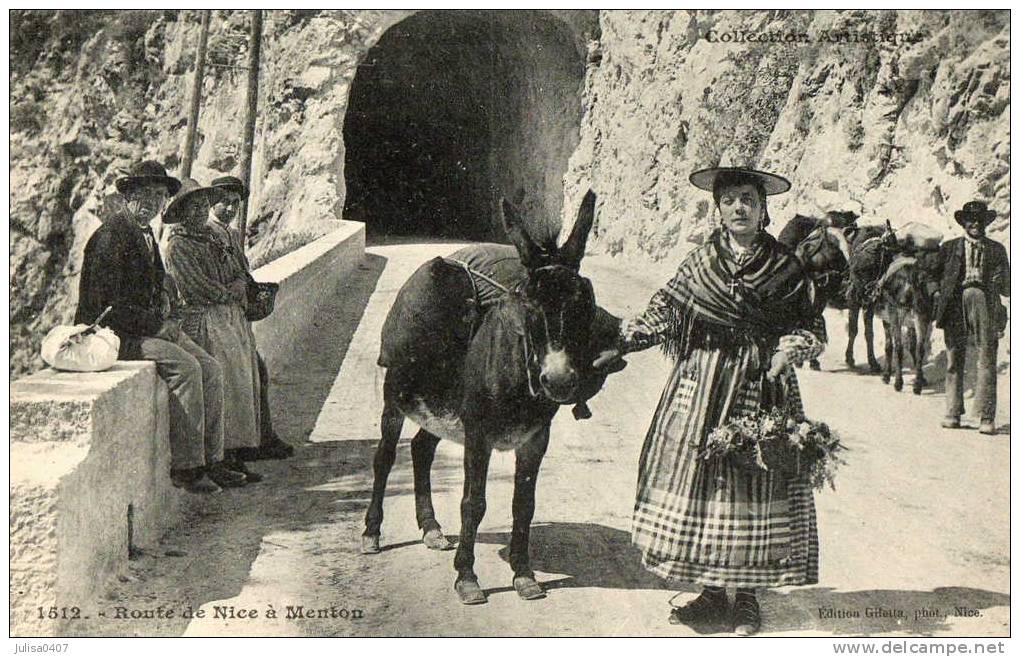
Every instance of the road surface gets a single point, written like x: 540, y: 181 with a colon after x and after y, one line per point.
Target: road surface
x: 919, y: 522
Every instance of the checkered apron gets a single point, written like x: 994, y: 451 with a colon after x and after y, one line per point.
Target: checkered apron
x: 711, y: 523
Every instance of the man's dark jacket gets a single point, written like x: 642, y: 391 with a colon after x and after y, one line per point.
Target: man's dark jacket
x: 118, y: 270
x: 994, y: 277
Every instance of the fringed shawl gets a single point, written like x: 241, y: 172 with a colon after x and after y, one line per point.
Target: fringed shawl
x: 721, y: 300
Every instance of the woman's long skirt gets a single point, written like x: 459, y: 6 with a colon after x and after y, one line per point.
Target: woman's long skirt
x: 716, y: 525
x: 225, y: 333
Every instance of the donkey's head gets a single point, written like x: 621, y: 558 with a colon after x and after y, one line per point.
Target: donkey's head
x: 824, y: 250
x: 559, y: 303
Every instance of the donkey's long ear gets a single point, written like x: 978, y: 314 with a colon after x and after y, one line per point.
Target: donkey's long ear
x: 531, y: 255
x: 573, y: 249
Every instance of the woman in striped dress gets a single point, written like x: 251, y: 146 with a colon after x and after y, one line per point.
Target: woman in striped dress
x: 735, y: 317
x: 213, y: 287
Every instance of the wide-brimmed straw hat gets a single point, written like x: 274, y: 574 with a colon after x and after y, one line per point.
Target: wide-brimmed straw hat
x: 975, y: 210
x: 773, y: 184
x: 191, y: 190
x: 148, y: 171
x: 231, y: 184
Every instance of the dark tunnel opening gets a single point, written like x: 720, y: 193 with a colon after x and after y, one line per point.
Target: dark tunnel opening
x: 451, y: 110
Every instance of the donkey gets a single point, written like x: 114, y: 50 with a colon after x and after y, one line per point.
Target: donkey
x: 871, y: 250
x: 905, y: 301
x: 824, y: 252
x: 491, y: 380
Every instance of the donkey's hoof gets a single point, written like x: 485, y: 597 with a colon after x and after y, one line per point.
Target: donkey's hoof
x: 885, y: 378
x: 815, y: 365
x: 469, y: 592
x: 918, y: 389
x: 370, y: 545
x: 850, y: 362
x: 434, y: 540
x: 527, y: 588
x: 898, y: 385
x: 875, y: 367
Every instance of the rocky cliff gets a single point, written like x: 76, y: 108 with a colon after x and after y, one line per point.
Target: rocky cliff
x: 539, y: 105
x: 900, y: 115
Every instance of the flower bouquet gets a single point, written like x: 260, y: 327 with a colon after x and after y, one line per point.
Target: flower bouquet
x: 774, y: 440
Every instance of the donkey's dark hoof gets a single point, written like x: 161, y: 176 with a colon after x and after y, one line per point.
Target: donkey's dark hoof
x: 885, y: 378
x: 875, y: 367
x: 434, y: 540
x: 918, y: 389
x: 815, y: 365
x: 898, y: 385
x: 850, y: 362
x: 527, y: 588
x: 370, y: 545
x: 469, y: 592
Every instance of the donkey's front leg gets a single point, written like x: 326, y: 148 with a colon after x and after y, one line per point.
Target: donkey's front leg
x: 472, y: 509
x: 528, y: 461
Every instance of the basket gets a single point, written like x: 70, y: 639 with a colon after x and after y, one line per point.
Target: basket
x: 261, y: 300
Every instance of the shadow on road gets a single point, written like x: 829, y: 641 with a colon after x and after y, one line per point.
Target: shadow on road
x: 590, y: 555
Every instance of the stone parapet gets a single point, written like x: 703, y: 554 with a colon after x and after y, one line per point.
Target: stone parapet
x: 90, y: 462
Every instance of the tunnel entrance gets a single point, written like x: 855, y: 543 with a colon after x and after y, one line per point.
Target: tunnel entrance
x: 451, y: 110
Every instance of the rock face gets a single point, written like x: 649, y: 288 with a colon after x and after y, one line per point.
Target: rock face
x: 906, y: 130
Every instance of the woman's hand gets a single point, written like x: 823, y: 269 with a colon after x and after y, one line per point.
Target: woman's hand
x: 606, y: 358
x: 170, y: 330
x: 239, y: 288
x: 780, y: 361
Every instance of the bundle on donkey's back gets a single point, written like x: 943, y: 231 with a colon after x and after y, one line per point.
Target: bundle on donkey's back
x: 482, y: 348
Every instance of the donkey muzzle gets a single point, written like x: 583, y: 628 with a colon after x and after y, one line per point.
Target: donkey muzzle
x: 558, y: 377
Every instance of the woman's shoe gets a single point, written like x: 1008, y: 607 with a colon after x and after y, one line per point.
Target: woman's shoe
x: 193, y: 480
x: 225, y: 477
x: 708, y: 609
x: 241, y: 467
x: 746, y: 615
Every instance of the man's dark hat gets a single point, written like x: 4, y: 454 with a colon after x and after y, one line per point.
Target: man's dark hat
x: 231, y: 184
x: 773, y: 184
x: 148, y: 171
x: 975, y: 210
x: 190, y: 190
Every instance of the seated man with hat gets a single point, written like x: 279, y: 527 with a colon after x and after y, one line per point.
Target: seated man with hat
x: 974, y: 273
x: 224, y: 212
x: 122, y: 269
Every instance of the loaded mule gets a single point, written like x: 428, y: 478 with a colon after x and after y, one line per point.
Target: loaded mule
x: 489, y: 377
x: 872, y: 249
x: 904, y: 300
x: 823, y: 250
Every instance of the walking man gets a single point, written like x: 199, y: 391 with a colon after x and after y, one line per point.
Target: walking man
x: 122, y: 269
x: 224, y: 213
x: 974, y: 273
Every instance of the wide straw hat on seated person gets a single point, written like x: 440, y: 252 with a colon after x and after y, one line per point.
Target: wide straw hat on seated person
x: 770, y: 182
x: 191, y: 190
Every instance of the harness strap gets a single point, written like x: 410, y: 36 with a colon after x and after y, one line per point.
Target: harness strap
x: 530, y: 358
x: 472, y: 273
